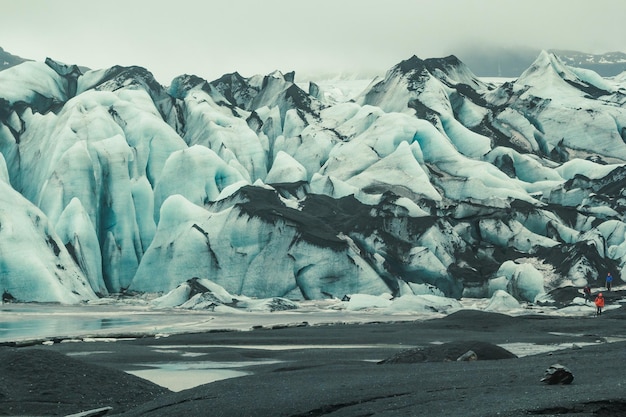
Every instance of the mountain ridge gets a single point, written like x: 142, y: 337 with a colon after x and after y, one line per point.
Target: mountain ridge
x: 491, y: 62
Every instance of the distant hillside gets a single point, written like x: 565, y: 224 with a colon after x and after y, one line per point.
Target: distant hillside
x: 501, y: 62
x: 609, y: 64
x: 8, y: 60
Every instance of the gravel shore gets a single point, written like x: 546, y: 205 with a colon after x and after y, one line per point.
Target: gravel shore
x: 336, y: 370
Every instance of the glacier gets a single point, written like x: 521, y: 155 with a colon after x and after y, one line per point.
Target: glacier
x: 428, y: 177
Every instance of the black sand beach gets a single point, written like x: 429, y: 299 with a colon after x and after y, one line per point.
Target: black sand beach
x: 334, y: 370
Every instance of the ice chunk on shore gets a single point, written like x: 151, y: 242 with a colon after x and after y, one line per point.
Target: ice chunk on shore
x: 502, y: 301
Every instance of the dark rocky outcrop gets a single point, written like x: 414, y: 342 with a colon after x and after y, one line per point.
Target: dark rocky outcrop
x: 42, y: 382
x: 451, y: 351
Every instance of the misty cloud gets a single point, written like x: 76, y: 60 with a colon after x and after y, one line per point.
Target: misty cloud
x: 256, y: 37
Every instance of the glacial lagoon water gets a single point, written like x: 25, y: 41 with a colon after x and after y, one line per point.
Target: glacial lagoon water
x: 114, y: 320
x: 23, y: 322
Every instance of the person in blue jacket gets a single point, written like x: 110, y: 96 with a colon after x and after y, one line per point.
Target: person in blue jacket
x: 609, y: 281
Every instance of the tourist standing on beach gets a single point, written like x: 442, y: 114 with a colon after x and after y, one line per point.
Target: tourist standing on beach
x: 599, y: 304
x: 609, y: 281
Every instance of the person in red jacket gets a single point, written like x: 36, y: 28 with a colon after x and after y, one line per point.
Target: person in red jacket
x: 599, y: 304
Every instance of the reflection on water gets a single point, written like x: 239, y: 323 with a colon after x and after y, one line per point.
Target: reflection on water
x: 57, y: 325
x: 528, y: 349
x: 289, y: 347
x: 21, y: 322
x: 178, y: 376
x: 178, y: 380
x: 108, y: 323
x: 27, y: 327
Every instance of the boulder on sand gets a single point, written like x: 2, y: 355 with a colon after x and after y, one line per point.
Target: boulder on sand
x: 557, y: 374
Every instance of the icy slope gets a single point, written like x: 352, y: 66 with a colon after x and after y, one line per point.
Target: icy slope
x: 429, y: 176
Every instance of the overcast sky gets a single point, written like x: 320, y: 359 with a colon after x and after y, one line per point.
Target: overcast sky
x: 209, y: 38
